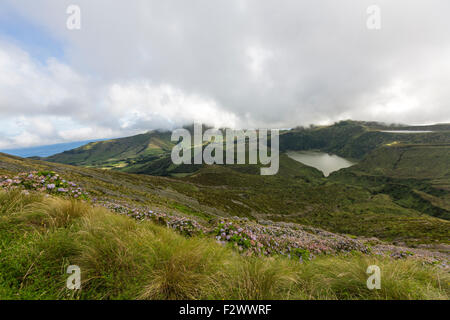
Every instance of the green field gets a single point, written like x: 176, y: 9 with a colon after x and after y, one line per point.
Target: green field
x: 391, y: 209
x: 122, y: 259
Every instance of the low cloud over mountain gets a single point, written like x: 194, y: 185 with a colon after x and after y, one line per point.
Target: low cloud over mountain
x: 139, y: 65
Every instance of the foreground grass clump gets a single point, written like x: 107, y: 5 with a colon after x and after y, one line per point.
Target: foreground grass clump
x: 124, y: 259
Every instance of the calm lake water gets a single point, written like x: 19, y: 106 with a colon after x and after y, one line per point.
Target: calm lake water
x: 327, y: 163
x: 406, y: 131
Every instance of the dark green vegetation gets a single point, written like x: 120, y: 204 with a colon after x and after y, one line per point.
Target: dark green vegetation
x: 355, y: 140
x: 297, y: 194
x: 122, y: 259
x: 414, y: 176
x: 118, y: 153
x: 398, y: 191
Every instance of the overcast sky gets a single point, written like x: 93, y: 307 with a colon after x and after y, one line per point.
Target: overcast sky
x: 137, y: 65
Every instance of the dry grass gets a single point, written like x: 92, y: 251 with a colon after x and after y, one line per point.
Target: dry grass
x: 124, y: 259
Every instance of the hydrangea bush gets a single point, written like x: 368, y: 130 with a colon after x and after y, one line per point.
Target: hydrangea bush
x: 247, y: 237
x: 44, y: 181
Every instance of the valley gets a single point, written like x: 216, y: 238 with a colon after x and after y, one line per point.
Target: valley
x: 391, y: 203
x: 399, y: 184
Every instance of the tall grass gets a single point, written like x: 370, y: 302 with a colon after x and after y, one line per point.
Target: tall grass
x: 268, y: 278
x: 124, y: 259
x: 15, y: 201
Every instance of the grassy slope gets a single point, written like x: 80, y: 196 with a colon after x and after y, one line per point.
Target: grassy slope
x: 150, y: 153
x: 122, y: 259
x: 298, y: 194
x: 388, y: 195
x: 117, y: 152
x: 318, y: 202
x: 415, y: 176
x: 348, y: 138
x: 355, y: 140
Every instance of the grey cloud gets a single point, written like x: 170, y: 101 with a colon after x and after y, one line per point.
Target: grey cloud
x: 268, y: 63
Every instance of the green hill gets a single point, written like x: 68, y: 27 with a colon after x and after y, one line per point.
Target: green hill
x: 297, y: 194
x: 117, y: 153
x: 400, y: 180
x: 125, y: 259
x: 150, y: 153
x: 221, y: 232
x: 415, y: 176
x: 355, y: 139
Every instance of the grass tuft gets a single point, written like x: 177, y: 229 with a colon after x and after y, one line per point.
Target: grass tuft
x: 124, y: 259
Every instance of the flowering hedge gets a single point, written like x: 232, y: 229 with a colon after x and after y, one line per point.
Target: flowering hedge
x: 181, y: 224
x: 43, y: 181
x: 248, y: 237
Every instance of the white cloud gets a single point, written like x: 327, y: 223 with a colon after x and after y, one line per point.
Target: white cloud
x: 52, y: 103
x: 163, y: 107
x: 144, y: 64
